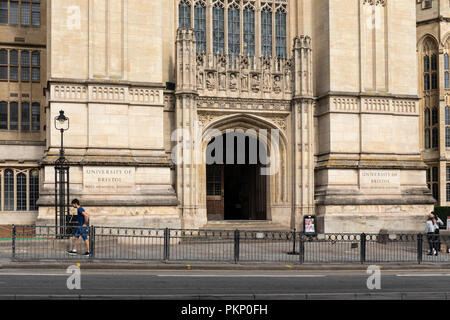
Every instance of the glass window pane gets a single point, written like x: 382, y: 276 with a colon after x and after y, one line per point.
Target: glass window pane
x: 446, y: 61
x: 200, y: 27
x: 3, y: 116
x: 434, y: 116
x: 25, y: 116
x: 3, y: 11
x: 25, y: 58
x: 36, y: 59
x: 266, y: 33
x: 25, y: 74
x: 446, y: 80
x: 34, y: 189
x: 447, y: 115
x: 36, y: 74
x: 36, y: 14
x: 4, y: 73
x: 281, y: 34
x: 13, y: 116
x: 184, y: 15
x: 9, y: 190
x: 25, y: 14
x: 426, y: 64
x: 21, y: 192
x: 14, y: 73
x: 3, y: 57
x: 435, y: 191
x: 435, y: 174
x: 218, y: 30
x: 448, y: 173
x: 447, y: 137
x: 234, y: 28
x: 249, y: 32
x: 434, y: 62
x: 36, y: 116
x: 14, y: 58
x: 14, y: 13
x: 435, y: 138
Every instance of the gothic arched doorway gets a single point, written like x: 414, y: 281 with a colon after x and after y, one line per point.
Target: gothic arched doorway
x: 236, y: 189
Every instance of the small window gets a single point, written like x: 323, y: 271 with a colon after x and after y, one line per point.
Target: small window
x: 13, y: 116
x: 36, y: 13
x: 25, y: 116
x: 34, y: 189
x: 3, y: 12
x: 434, y: 116
x: 427, y: 117
x: 3, y: 115
x: 21, y: 192
x: 447, y: 137
x: 426, y: 64
x: 446, y: 80
x: 36, y: 117
x: 14, y: 65
x: 25, y: 14
x: 36, y: 62
x: 3, y: 65
x: 14, y: 13
x: 184, y: 15
x: 435, y: 138
x: 435, y: 174
x: 446, y: 61
x: 25, y: 64
x: 9, y: 190
x: 427, y: 139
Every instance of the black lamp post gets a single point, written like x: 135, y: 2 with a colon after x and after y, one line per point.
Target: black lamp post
x: 61, y: 179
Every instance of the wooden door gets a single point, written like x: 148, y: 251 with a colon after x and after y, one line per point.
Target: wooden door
x: 215, y: 202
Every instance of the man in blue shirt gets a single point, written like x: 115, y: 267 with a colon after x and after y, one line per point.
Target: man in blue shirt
x: 83, y: 223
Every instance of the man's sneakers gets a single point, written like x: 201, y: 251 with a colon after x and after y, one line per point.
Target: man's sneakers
x: 74, y: 253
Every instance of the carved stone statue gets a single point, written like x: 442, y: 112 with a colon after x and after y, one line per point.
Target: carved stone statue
x: 233, y: 82
x: 210, y: 81
x: 277, y: 84
x: 255, y: 83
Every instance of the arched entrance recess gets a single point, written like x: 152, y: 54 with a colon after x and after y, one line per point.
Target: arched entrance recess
x: 247, y: 187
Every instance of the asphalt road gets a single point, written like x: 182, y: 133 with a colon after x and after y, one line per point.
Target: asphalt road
x: 234, y: 285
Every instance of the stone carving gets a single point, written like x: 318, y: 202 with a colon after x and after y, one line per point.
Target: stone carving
x: 375, y: 2
x: 233, y: 82
x: 255, y: 83
x: 244, y: 81
x: 211, y: 81
x: 222, y: 81
x: 277, y: 84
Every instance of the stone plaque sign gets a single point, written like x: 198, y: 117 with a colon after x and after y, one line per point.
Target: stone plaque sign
x: 109, y: 179
x: 379, y: 179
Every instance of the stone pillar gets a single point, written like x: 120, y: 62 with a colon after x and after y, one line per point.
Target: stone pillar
x: 303, y: 124
x: 188, y: 136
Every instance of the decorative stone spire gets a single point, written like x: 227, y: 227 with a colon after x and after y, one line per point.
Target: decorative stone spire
x: 186, y: 54
x: 303, y: 67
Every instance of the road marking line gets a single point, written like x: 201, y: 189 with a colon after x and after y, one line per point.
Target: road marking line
x: 423, y: 275
x: 241, y: 276
x: 32, y: 274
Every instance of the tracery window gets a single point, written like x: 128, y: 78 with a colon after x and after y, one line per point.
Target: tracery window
x: 200, y: 26
x: 20, y: 190
x: 236, y: 26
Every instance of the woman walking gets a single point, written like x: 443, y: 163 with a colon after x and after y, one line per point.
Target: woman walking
x: 429, y: 230
x: 437, y: 222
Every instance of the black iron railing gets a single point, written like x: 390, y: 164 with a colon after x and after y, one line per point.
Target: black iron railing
x: 232, y: 246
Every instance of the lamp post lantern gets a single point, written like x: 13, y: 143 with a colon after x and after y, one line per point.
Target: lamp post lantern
x: 61, y: 179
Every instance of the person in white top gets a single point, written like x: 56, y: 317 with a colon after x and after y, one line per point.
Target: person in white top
x: 429, y: 230
x: 437, y: 222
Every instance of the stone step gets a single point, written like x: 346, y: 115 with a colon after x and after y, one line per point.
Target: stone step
x: 259, y: 225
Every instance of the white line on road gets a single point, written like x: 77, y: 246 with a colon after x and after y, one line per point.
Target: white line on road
x: 423, y: 275
x: 33, y: 274
x: 242, y: 276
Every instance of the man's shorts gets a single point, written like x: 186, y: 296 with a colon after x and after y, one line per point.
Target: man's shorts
x: 81, y: 231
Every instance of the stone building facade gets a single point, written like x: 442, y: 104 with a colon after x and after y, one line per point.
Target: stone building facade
x: 150, y: 86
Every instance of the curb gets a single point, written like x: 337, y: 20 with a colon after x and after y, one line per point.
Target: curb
x: 199, y: 266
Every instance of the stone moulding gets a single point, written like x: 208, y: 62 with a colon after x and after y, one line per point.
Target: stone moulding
x: 381, y: 105
x: 106, y: 94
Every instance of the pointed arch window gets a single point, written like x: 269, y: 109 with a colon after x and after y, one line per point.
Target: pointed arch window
x: 249, y: 31
x: 218, y: 29
x: 9, y: 190
x: 266, y: 32
x: 34, y: 189
x: 234, y: 28
x: 184, y: 15
x: 200, y: 27
x: 280, y: 22
x: 21, y: 192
